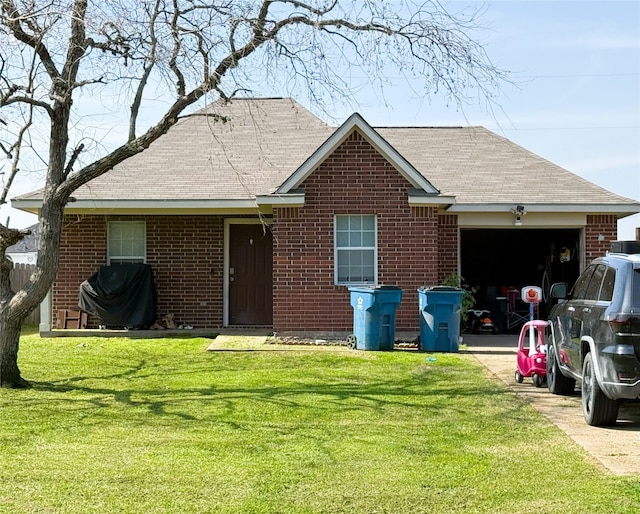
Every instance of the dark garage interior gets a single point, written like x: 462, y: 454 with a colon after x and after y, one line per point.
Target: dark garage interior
x: 495, y: 261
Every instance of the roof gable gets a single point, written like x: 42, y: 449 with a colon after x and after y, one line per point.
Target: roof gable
x: 355, y: 122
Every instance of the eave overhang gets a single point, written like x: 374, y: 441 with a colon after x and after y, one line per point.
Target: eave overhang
x: 281, y: 200
x: 265, y: 203
x: 232, y: 206
x: 621, y: 210
x: 418, y: 198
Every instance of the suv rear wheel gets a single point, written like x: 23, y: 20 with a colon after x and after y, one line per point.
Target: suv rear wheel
x: 556, y: 381
x: 598, y: 409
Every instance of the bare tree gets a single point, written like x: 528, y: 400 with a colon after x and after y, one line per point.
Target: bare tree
x: 63, y: 61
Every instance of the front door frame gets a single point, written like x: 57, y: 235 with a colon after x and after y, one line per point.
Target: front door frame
x: 225, y: 276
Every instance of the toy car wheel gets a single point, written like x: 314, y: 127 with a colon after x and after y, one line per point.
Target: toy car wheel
x: 537, y: 380
x: 598, y: 409
x: 518, y: 376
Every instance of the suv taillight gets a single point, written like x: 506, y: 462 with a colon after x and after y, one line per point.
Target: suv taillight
x: 626, y: 328
x: 621, y: 323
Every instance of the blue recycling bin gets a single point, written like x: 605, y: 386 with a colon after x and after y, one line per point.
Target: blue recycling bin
x: 374, y: 316
x: 440, y: 318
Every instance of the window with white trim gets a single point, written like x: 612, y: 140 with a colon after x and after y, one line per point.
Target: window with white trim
x: 355, y: 249
x: 126, y: 242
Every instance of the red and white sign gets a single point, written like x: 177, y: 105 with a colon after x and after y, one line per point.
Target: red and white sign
x: 531, y: 294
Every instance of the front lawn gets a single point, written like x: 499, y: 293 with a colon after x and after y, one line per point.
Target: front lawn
x: 148, y: 426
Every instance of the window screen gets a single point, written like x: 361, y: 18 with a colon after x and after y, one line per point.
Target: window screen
x: 127, y: 242
x: 355, y: 249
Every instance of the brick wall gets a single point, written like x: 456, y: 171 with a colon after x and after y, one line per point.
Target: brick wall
x: 599, y: 225
x: 185, y: 253
x: 83, y: 250
x: 355, y: 179
x: 447, y: 245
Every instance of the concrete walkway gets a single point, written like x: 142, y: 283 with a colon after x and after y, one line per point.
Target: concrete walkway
x: 616, y: 448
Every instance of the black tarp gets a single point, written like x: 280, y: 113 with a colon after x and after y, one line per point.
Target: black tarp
x: 122, y: 295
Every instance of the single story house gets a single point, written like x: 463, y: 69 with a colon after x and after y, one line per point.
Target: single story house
x: 257, y: 213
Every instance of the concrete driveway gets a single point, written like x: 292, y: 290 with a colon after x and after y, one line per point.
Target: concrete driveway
x: 616, y: 448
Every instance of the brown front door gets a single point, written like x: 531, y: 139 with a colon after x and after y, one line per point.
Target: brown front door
x: 250, y: 274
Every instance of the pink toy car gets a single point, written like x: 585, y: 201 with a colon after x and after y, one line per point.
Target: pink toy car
x: 532, y: 352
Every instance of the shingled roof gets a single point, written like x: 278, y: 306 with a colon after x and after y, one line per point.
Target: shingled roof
x: 479, y: 167
x: 237, y: 151
x: 224, y: 151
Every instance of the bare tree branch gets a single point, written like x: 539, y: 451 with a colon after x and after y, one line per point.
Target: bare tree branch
x: 15, y: 20
x: 13, y: 153
x: 148, y: 68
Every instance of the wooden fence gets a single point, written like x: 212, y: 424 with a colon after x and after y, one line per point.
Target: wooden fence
x: 19, y: 276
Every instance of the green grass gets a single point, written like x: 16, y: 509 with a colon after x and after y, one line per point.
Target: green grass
x: 147, y: 426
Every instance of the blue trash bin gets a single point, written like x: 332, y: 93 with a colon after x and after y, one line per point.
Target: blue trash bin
x: 440, y: 318
x: 374, y: 316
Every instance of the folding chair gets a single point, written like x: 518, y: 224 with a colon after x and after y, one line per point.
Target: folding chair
x: 517, y: 310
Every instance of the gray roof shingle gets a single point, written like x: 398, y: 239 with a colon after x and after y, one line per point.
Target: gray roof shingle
x: 478, y: 166
x: 202, y: 157
x: 266, y: 140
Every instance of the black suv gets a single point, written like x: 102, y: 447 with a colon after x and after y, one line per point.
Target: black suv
x: 595, y: 334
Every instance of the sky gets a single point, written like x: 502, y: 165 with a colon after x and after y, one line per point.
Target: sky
x: 576, y: 64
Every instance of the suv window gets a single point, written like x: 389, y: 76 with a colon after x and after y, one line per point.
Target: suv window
x: 635, y: 289
x: 606, y: 293
x: 593, y: 289
x: 580, y: 287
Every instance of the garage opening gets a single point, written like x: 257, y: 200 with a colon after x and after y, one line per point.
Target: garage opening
x: 495, y: 261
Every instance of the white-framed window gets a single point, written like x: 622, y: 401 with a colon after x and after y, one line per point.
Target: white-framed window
x: 126, y: 242
x: 355, y: 249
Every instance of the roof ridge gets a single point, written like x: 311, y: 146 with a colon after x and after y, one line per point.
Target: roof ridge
x: 425, y: 126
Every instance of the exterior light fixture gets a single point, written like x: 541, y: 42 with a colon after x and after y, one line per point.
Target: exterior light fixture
x: 519, y: 211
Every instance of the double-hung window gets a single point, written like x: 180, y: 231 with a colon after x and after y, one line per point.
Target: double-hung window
x: 127, y: 242
x: 355, y: 249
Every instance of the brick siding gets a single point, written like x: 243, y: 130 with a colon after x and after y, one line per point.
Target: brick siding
x: 355, y: 179
x: 599, y: 225
x: 185, y: 253
x: 447, y: 246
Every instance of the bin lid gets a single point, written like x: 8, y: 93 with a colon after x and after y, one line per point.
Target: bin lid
x: 439, y: 288
x: 373, y: 288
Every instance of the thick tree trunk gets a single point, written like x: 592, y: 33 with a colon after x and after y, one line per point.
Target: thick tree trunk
x: 16, y: 306
x: 9, y: 333
x: 9, y: 342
